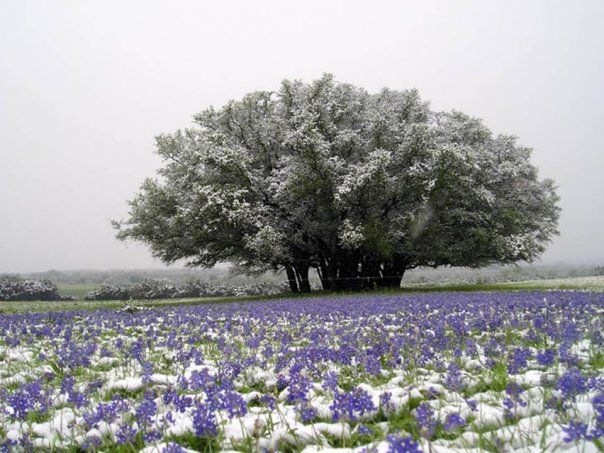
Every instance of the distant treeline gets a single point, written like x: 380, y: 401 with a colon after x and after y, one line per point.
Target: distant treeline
x: 223, y: 275
x: 128, y: 276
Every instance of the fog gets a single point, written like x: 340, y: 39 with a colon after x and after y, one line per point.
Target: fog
x: 85, y: 87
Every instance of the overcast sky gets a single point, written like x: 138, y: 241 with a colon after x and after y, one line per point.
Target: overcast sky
x: 85, y: 86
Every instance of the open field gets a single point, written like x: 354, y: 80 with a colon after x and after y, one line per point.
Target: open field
x: 595, y: 283
x: 78, y: 290
x: 439, y: 371
x: 44, y: 306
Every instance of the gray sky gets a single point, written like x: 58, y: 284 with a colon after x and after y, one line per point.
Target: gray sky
x: 85, y: 86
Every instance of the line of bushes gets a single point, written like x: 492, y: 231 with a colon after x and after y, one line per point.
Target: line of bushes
x: 151, y: 289
x: 16, y: 288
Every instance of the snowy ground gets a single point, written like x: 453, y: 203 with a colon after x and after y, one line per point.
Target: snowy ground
x: 440, y: 372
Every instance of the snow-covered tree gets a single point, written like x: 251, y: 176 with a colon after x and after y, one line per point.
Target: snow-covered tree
x: 359, y: 186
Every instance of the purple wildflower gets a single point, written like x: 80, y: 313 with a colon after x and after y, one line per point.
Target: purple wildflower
x: 576, y: 431
x: 572, y: 383
x: 453, y: 421
x: 424, y: 416
x: 204, y: 421
x: 173, y: 447
x: 398, y: 444
x: 546, y: 357
x: 351, y: 405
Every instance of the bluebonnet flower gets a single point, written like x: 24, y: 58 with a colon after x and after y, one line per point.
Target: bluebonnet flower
x: 282, y: 382
x: 385, y: 401
x: 200, y: 379
x: 330, y: 381
x: 398, y: 444
x: 473, y: 404
x: 92, y: 443
x: 365, y: 430
x: 307, y: 412
x: 513, y: 400
x: 576, y: 430
x: 169, y: 417
x: 152, y: 435
x: 372, y: 365
x: 197, y: 356
x: 73, y: 356
x: 181, y: 403
x: 7, y: 445
x: 269, y: 400
x: 232, y: 402
x: 519, y: 359
x: 513, y: 390
x: 26, y: 444
x: 173, y: 447
x: 566, y: 355
x: 546, y: 357
x: 351, y: 405
x: 596, y: 383
x: 78, y: 399
x: 67, y: 384
x: 93, y: 386
x: 204, y: 421
x: 106, y: 412
x: 137, y: 349
x: 182, y: 382
x: 453, y: 421
x: 169, y: 396
x: 572, y: 383
x: 126, y: 434
x: 471, y: 348
x: 145, y: 411
x: 21, y: 404
x: 424, y: 416
x: 508, y: 406
x: 298, y: 388
x: 454, y: 380
x: 147, y: 372
x: 598, y: 405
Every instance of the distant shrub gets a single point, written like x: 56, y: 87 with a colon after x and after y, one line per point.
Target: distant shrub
x: 151, y: 289
x: 599, y: 270
x: 15, y: 288
x: 109, y: 292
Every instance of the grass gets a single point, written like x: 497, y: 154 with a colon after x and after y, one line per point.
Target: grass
x: 78, y: 290
x: 595, y: 283
x: 582, y: 283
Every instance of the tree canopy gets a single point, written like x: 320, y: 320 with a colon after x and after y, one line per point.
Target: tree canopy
x: 359, y: 186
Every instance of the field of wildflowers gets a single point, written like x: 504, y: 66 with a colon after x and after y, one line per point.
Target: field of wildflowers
x: 438, y: 372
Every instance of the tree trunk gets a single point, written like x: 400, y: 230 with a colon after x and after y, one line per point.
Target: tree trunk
x: 324, y: 275
x: 291, y: 279
x: 348, y: 278
x: 392, y: 273
x: 371, y: 273
x: 392, y: 281
x: 302, y: 276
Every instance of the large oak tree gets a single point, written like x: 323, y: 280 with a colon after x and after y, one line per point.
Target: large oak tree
x: 359, y: 186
